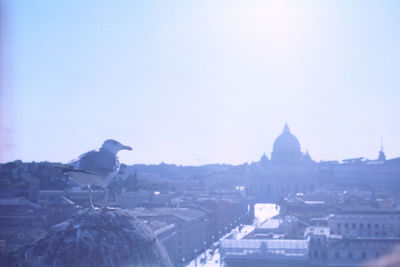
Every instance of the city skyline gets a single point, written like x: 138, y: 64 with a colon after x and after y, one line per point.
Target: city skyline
x: 196, y: 83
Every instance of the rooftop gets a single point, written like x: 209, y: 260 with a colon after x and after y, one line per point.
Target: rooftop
x: 287, y: 249
x: 270, y: 224
x: 184, y: 214
x: 317, y: 230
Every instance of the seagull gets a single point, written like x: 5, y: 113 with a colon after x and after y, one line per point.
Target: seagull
x: 96, y: 167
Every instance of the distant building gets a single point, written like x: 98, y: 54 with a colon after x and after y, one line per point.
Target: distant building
x: 318, y: 238
x: 226, y: 213
x: 19, y: 213
x: 306, y: 209
x: 190, y: 233
x: 264, y: 253
x: 129, y: 200
x: 290, y: 172
x: 20, y: 222
x: 353, y: 252
x: 59, y: 209
x: 269, y: 245
x: 366, y: 223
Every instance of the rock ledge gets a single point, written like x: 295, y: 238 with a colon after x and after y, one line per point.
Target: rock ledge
x: 95, y: 238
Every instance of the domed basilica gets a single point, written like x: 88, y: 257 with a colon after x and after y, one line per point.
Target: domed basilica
x: 286, y: 148
x: 289, y: 171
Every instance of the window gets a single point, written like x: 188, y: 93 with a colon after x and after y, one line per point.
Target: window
x: 315, y: 253
x: 339, y: 225
x: 346, y: 225
x: 353, y: 226
x: 363, y: 255
x: 376, y: 226
x: 337, y: 255
x: 377, y: 254
x: 361, y: 226
x: 350, y: 255
x: 369, y: 226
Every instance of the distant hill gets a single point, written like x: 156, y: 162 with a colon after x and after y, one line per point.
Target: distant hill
x: 16, y: 176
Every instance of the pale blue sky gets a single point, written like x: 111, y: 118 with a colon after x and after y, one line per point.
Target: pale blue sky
x: 194, y: 82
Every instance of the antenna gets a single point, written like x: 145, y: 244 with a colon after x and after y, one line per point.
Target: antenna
x: 381, y: 143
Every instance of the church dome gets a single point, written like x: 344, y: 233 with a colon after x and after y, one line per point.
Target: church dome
x: 286, y: 148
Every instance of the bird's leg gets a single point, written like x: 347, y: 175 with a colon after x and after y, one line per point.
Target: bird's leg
x: 91, y: 196
x: 105, y: 197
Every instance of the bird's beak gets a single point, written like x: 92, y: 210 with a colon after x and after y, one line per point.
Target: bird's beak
x: 127, y: 148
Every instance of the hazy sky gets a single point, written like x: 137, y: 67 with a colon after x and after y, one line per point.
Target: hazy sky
x: 195, y: 82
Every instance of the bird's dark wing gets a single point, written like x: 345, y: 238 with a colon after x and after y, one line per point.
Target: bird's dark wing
x: 75, y: 162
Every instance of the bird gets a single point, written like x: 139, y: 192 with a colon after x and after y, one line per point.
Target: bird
x: 96, y: 167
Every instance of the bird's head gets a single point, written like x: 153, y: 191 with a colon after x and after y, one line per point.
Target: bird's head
x: 114, y: 146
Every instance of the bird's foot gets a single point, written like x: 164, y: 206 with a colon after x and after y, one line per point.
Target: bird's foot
x: 93, y: 207
x: 109, y: 208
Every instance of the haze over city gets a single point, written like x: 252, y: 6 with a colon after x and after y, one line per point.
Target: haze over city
x: 199, y: 82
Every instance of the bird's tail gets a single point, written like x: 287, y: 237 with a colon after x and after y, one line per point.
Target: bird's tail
x: 63, y: 168
x: 68, y: 169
